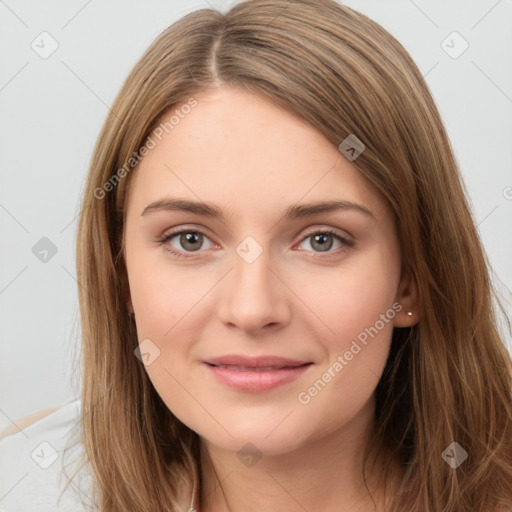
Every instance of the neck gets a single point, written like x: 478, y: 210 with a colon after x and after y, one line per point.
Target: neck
x: 324, y: 474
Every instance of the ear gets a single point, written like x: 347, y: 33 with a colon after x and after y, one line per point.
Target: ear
x: 407, y: 297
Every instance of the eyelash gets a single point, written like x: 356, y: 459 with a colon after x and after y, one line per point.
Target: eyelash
x: 180, y: 254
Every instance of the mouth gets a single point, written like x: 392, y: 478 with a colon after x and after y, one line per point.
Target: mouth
x: 255, y: 374
x: 265, y: 362
x: 254, y: 368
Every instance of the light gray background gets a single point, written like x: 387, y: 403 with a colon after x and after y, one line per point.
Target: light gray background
x: 52, y: 109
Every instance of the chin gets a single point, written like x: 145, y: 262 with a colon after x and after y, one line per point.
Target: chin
x: 266, y: 438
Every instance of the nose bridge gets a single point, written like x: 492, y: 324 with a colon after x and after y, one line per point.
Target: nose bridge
x: 253, y: 297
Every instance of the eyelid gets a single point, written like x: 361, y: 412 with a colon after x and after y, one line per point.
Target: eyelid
x: 185, y: 227
x: 344, y: 235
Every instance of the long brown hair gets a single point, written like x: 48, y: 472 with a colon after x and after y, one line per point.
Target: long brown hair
x: 447, y: 379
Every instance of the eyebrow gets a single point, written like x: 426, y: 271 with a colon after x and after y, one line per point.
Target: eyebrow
x: 292, y: 212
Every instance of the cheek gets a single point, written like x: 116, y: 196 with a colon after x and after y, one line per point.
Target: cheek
x: 358, y: 306
x: 169, y: 307
x: 163, y: 310
x: 349, y: 300
x: 163, y: 295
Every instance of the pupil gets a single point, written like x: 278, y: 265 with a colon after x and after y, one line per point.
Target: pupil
x: 190, y: 238
x: 321, y: 238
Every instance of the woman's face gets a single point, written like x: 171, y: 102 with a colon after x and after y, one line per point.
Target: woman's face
x: 244, y: 266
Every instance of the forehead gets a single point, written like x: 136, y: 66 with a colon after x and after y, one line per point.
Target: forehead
x: 241, y: 150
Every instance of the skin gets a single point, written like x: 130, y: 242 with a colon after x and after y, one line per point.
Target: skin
x: 298, y: 299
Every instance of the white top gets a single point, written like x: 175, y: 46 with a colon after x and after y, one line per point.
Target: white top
x: 37, y: 462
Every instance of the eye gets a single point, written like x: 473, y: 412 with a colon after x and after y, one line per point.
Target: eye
x: 185, y: 240
x: 324, y: 240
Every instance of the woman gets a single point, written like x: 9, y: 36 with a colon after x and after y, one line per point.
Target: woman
x: 285, y: 303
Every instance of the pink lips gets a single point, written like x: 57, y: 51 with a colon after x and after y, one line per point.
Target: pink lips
x: 255, y: 374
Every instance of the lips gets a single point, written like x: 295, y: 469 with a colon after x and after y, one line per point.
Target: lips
x: 249, y: 369
x: 255, y: 374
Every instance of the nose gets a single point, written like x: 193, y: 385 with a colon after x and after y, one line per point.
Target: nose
x: 253, y: 296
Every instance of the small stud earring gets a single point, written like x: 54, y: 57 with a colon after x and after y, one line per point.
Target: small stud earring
x: 409, y: 313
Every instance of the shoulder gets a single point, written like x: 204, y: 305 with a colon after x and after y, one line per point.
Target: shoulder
x: 26, y: 422
x: 41, y: 460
